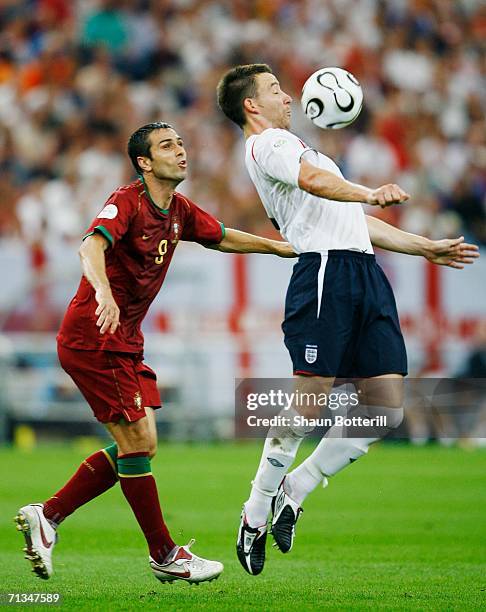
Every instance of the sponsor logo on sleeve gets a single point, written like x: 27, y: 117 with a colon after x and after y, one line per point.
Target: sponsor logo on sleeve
x: 110, y: 211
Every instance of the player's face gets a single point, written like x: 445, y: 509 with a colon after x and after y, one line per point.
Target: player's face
x: 273, y: 103
x: 169, y: 160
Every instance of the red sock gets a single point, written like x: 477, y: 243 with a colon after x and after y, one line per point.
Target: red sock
x: 94, y: 476
x: 138, y: 486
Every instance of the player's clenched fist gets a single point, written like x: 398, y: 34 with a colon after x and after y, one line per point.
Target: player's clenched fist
x: 108, y: 311
x: 386, y: 195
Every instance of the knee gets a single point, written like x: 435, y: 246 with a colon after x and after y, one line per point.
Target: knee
x: 135, y: 440
x: 394, y: 417
x: 295, y: 426
x: 394, y: 402
x: 312, y: 411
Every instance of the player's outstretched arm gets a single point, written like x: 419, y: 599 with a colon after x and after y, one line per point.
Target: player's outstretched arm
x: 452, y: 252
x: 327, y: 185
x: 241, y: 242
x: 92, y: 255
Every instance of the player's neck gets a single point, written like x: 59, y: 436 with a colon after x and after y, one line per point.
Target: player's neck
x: 158, y: 192
x: 256, y: 124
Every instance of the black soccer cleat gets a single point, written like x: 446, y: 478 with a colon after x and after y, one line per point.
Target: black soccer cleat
x: 286, y: 512
x: 250, y: 546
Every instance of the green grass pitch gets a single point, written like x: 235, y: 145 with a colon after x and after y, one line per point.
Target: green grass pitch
x: 402, y: 529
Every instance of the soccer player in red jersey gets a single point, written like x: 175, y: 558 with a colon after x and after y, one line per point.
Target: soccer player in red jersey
x: 125, y: 256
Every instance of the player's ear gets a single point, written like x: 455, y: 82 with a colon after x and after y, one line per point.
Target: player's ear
x: 144, y: 163
x: 250, y: 106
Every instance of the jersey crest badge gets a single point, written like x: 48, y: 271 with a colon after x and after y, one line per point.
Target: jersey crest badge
x: 137, y: 400
x: 310, y: 353
x: 110, y: 211
x: 175, y: 231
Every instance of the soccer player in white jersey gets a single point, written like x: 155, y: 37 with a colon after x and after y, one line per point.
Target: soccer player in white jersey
x: 340, y: 313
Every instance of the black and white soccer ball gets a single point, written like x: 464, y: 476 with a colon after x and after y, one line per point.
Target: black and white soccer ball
x: 332, y: 98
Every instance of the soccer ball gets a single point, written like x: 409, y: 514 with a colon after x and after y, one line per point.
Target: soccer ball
x: 332, y: 98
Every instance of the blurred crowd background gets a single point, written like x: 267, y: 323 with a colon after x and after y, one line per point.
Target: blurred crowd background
x: 76, y: 77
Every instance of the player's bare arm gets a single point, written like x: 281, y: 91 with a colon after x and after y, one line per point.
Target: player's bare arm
x: 92, y: 254
x: 325, y: 184
x: 452, y: 252
x: 242, y: 242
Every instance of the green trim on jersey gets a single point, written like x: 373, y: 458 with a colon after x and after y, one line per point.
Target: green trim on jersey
x: 223, y: 229
x: 103, y: 231
x: 164, y: 211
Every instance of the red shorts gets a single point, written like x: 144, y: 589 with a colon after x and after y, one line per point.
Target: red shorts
x: 115, y: 385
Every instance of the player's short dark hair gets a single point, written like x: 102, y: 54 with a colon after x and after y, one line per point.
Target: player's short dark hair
x: 139, y: 144
x: 236, y: 85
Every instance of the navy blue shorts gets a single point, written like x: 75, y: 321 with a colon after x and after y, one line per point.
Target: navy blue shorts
x: 341, y: 318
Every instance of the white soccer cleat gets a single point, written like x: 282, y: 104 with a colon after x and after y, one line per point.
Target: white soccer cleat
x: 187, y: 566
x: 286, y: 512
x: 40, y: 538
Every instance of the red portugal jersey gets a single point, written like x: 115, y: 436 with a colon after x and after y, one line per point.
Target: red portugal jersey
x: 143, y: 238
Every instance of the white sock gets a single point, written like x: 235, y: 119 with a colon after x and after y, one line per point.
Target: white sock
x: 276, y: 460
x: 278, y: 454
x: 331, y: 455
x: 302, y: 480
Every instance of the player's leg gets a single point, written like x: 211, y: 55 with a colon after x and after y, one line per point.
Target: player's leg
x: 107, y: 381
x: 279, y: 451
x: 380, y: 396
x: 167, y: 560
x: 317, y: 329
x: 377, y: 362
x: 134, y: 441
x: 39, y: 522
x: 376, y: 359
x: 96, y: 474
x: 101, y: 377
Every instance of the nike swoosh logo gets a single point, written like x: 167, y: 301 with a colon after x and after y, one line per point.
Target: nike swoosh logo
x: 184, y: 574
x: 45, y: 541
x: 145, y: 237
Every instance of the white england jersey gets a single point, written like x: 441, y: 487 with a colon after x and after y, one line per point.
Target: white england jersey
x: 307, y: 222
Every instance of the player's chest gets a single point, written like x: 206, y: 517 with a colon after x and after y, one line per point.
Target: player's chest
x: 153, y: 238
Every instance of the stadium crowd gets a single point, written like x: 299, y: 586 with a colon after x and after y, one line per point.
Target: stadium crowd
x: 76, y: 77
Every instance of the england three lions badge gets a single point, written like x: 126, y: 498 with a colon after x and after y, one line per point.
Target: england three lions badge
x: 310, y: 353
